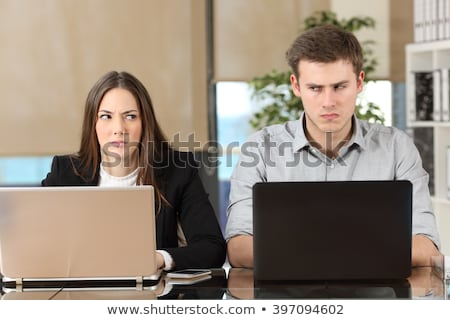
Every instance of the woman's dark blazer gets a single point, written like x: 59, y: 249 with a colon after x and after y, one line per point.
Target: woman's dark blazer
x: 179, y: 182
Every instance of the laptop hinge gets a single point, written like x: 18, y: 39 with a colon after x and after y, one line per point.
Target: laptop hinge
x: 139, y: 283
x: 19, y: 284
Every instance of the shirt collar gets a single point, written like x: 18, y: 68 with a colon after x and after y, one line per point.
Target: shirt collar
x: 357, y: 136
x: 301, y: 142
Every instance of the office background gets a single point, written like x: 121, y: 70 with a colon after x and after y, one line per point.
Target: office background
x: 183, y: 50
x: 54, y: 50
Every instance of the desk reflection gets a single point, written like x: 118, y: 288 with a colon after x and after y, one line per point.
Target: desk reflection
x: 212, y: 288
x: 424, y: 283
x: 119, y: 294
x: 427, y: 283
x: 87, y: 292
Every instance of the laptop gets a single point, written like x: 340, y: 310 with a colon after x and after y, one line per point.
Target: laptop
x: 72, y: 235
x: 339, y: 230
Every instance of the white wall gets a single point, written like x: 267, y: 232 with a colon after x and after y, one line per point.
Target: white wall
x: 380, y: 11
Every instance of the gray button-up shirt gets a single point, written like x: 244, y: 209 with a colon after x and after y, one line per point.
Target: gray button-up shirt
x: 282, y: 153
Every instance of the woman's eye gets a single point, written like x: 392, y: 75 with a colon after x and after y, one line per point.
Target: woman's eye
x: 131, y: 116
x: 104, y: 116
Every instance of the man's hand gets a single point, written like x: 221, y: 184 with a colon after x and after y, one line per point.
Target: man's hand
x: 240, y: 251
x: 422, y: 251
x: 240, y: 283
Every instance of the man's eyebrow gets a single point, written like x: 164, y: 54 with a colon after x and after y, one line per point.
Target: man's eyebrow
x: 312, y: 84
x: 340, y: 83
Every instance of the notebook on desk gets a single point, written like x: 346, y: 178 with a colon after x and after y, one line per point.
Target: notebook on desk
x: 346, y: 230
x: 77, y: 234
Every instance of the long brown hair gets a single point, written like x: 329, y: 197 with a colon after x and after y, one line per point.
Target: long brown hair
x: 153, y: 142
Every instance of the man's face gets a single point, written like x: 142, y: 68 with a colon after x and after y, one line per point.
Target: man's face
x: 328, y: 92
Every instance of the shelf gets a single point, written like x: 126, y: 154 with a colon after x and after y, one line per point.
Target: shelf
x: 428, y: 46
x: 440, y: 201
x: 430, y: 124
x: 428, y: 57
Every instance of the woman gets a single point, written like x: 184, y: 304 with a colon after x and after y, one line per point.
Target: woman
x: 122, y: 144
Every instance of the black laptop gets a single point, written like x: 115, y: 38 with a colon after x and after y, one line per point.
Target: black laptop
x: 339, y: 230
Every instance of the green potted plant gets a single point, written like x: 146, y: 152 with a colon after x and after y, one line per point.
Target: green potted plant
x: 274, y: 90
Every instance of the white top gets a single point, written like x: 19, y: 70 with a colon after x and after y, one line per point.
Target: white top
x: 107, y: 180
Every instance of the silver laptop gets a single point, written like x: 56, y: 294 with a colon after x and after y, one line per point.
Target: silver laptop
x: 77, y: 234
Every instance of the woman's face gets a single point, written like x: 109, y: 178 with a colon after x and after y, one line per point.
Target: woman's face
x: 119, y: 128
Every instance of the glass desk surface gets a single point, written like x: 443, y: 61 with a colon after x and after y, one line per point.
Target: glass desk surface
x: 238, y: 283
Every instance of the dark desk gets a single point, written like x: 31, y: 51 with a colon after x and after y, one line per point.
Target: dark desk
x: 238, y: 283
x: 424, y: 283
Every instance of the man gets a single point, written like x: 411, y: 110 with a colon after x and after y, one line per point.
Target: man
x: 327, y: 143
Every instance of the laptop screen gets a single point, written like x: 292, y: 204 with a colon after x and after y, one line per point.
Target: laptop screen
x: 77, y: 232
x: 332, y: 230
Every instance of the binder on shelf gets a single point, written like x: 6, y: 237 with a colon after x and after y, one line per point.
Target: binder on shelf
x: 437, y: 95
x: 423, y: 138
x: 445, y: 94
x: 419, y: 20
x: 430, y: 10
x: 423, y: 96
x: 431, y: 20
x: 448, y: 172
x: 427, y: 21
x: 441, y: 19
x: 447, y: 19
x: 434, y: 19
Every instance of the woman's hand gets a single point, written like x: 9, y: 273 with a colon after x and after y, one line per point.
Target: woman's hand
x: 160, y: 261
